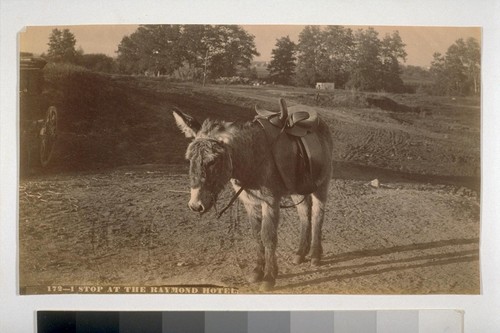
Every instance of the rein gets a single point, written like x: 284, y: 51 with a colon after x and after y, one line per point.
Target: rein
x: 237, y: 194
x: 233, y: 199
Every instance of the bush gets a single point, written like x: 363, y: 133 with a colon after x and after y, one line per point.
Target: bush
x: 97, y: 63
x: 233, y: 80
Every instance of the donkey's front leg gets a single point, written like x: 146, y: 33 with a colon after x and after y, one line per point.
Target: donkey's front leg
x: 269, y: 235
x: 255, y: 219
x: 254, y: 212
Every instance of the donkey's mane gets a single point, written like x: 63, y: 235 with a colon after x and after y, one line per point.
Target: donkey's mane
x: 211, y: 124
x: 214, y: 127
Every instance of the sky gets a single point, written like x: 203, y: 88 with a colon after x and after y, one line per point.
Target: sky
x: 421, y: 42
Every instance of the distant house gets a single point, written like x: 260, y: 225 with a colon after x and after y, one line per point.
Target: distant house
x: 325, y: 85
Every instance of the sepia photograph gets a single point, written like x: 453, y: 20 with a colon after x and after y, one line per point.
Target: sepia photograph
x: 249, y: 159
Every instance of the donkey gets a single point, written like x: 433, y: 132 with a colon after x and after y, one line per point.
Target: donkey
x: 223, y: 152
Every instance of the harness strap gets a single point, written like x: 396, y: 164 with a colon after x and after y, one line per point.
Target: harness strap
x: 295, y: 204
x: 233, y: 199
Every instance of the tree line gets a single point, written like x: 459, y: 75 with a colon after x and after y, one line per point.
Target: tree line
x: 364, y: 61
x: 360, y: 59
x: 192, y: 51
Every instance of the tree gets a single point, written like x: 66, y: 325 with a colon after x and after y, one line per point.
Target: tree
x: 151, y: 49
x: 392, y: 49
x: 455, y: 69
x: 61, y: 46
x: 337, y: 54
x: 282, y: 66
x: 195, y: 56
x: 463, y: 64
x: 230, y: 50
x: 458, y: 71
x: 309, y: 50
x: 472, y: 64
x: 365, y: 73
x: 439, y: 74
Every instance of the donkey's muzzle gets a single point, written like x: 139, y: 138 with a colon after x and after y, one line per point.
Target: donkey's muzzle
x: 196, y: 207
x: 195, y: 203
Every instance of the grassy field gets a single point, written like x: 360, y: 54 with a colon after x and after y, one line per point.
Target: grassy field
x: 110, y: 121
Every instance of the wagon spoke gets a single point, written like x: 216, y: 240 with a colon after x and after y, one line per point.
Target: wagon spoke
x: 48, y: 136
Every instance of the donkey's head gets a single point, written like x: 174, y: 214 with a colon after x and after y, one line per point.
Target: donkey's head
x: 210, y: 161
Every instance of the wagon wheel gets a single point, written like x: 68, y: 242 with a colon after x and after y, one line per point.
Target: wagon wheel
x: 48, y: 135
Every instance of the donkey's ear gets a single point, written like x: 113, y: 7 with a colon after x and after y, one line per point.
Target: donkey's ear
x: 186, y: 123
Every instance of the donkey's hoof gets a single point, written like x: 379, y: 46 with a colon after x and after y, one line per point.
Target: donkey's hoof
x: 298, y: 259
x: 255, y: 276
x: 315, y: 262
x: 266, y: 285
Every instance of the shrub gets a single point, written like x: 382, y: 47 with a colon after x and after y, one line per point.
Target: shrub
x: 97, y: 63
x: 233, y: 80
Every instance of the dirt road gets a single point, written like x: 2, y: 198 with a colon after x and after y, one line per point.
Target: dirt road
x: 109, y: 229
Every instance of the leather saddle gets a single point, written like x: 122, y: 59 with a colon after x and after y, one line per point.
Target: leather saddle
x: 295, y: 145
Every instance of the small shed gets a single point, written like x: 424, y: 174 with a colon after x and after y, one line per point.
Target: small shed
x: 325, y: 85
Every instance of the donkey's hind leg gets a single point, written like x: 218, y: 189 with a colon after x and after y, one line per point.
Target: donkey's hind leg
x: 317, y: 216
x: 304, y: 211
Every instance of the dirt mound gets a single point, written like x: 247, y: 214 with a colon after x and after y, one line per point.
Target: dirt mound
x: 385, y: 103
